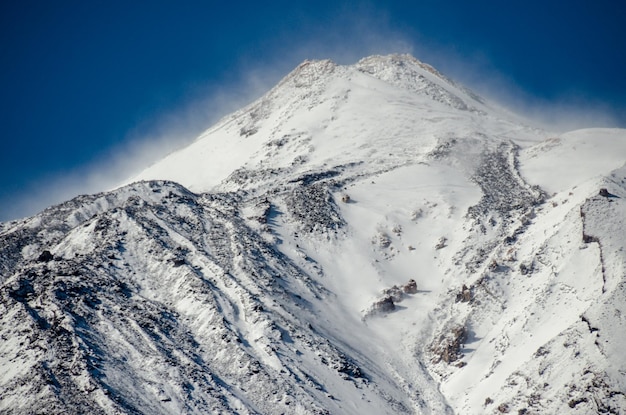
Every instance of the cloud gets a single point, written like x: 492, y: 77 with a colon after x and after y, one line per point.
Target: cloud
x: 354, y: 34
x: 143, y: 145
x: 345, y: 37
x: 566, y: 111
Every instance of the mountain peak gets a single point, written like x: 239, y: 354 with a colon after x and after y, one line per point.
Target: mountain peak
x: 400, y: 70
x: 409, y: 73
x: 397, y: 60
x: 308, y: 72
x: 367, y: 238
x: 394, y: 59
x: 322, y: 111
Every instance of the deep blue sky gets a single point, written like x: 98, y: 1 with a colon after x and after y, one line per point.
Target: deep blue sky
x: 88, y: 85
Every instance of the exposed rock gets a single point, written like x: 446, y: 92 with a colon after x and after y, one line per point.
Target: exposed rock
x: 441, y: 243
x: 382, y: 240
x: 410, y: 287
x: 525, y: 269
x: 588, y: 238
x: 45, y: 256
x: 262, y: 211
x: 384, y: 305
x: 314, y: 208
x: 179, y: 262
x: 447, y: 346
x: 503, y: 408
x: 247, y: 132
x: 465, y: 295
x: 575, y: 402
x: 503, y: 188
x: 395, y: 292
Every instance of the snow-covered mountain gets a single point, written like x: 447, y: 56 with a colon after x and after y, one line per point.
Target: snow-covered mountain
x: 364, y: 239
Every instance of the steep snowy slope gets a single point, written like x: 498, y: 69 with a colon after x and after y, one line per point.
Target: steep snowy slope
x: 386, y: 110
x: 155, y: 300
x: 370, y: 238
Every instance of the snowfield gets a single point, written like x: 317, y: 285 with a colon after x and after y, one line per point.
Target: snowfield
x: 364, y: 239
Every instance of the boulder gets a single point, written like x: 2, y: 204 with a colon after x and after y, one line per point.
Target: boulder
x: 45, y: 256
x: 410, y: 287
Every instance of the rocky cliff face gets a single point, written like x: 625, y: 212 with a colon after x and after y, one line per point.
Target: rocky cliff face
x: 363, y: 239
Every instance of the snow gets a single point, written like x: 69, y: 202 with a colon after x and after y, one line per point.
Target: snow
x: 561, y: 163
x: 259, y: 295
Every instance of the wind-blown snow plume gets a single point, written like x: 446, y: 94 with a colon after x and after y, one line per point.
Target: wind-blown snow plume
x: 370, y: 238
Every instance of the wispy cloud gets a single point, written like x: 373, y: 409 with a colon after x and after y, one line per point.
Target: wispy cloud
x: 347, y: 37
x: 567, y: 111
x: 143, y: 145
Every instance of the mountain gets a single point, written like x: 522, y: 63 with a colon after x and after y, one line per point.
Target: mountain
x: 363, y: 239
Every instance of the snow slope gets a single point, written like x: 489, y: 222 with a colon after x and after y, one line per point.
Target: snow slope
x: 267, y: 267
x: 325, y: 113
x: 562, y: 163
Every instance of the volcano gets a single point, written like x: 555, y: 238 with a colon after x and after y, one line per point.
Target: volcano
x: 363, y: 239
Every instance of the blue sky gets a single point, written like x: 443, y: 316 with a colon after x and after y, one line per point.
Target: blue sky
x: 92, y: 90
